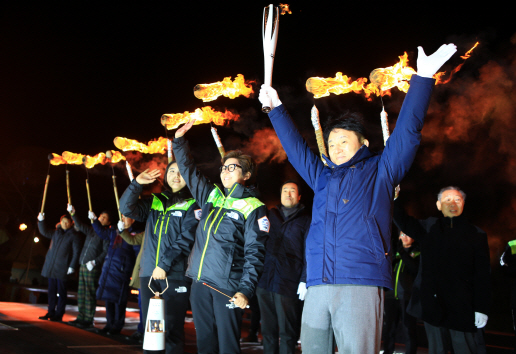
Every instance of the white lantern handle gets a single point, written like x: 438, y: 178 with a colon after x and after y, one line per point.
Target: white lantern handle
x: 157, y: 293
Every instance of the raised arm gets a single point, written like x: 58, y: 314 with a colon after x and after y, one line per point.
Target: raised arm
x: 403, y: 143
x: 307, y: 164
x: 84, y: 228
x: 42, y: 227
x: 198, y: 184
x: 105, y: 233
x: 135, y: 240
x: 130, y: 204
x: 406, y: 223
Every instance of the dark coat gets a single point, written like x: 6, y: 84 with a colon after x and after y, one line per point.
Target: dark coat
x: 95, y: 248
x: 118, y: 265
x: 64, y: 250
x: 454, y: 272
x: 229, y: 246
x: 509, y: 269
x: 285, y: 252
x: 350, y: 234
x: 405, y: 268
x: 169, y: 230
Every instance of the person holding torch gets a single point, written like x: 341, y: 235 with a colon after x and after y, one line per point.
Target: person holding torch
x: 228, y: 253
x: 348, y: 246
x: 171, y: 219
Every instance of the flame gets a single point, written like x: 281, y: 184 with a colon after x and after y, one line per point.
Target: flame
x: 382, y: 80
x: 201, y: 115
x: 89, y: 161
x: 285, y: 8
x: 226, y: 87
x: 158, y: 146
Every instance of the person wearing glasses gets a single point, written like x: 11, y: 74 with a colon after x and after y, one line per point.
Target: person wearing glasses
x: 227, y: 257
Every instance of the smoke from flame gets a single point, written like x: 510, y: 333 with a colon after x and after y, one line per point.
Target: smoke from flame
x: 265, y: 145
x: 158, y: 146
x: 226, y: 88
x: 201, y: 115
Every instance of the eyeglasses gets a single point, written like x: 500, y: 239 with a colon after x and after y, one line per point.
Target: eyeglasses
x: 229, y: 168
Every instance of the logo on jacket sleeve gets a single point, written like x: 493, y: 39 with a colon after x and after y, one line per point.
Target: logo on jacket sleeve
x: 263, y: 224
x: 232, y: 215
x: 177, y: 213
x: 198, y: 214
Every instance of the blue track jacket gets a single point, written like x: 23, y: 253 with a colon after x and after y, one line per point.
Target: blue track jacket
x: 349, y: 237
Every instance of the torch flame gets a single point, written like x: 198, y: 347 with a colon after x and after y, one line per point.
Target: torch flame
x: 285, y: 8
x: 201, y: 115
x: 89, y: 161
x: 226, y: 88
x: 158, y: 146
x: 382, y: 80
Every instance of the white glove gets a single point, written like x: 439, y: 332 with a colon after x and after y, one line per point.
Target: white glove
x: 91, y: 215
x: 70, y: 208
x: 301, y: 290
x: 70, y: 270
x: 90, y: 265
x: 502, y: 263
x: 480, y: 320
x: 121, y: 225
x: 428, y: 66
x: 41, y: 216
x: 269, y: 96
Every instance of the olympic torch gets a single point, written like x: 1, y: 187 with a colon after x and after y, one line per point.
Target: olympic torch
x: 68, y: 187
x: 218, y: 142
x: 129, y: 170
x: 109, y: 155
x: 385, y: 125
x: 169, y: 148
x: 318, y: 132
x: 50, y: 157
x: 270, y: 38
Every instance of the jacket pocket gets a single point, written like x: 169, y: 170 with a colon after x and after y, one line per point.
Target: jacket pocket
x: 229, y: 259
x: 376, y: 239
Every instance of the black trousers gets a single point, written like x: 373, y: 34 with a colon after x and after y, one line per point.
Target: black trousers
x: 281, y: 319
x: 115, y: 315
x: 462, y: 342
x: 176, y: 305
x: 56, y: 304
x: 394, y: 312
x: 217, y: 324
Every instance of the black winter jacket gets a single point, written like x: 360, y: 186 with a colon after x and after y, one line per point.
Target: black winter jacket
x: 169, y: 231
x: 405, y: 268
x: 229, y: 247
x: 454, y: 272
x: 285, y: 252
x: 64, y: 250
x: 95, y: 248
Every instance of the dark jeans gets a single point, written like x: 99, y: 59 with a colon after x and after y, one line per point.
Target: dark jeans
x: 281, y: 322
x: 176, y: 305
x: 394, y: 312
x: 55, y: 287
x: 462, y: 342
x: 115, y: 315
x: 140, y: 325
x: 216, y: 323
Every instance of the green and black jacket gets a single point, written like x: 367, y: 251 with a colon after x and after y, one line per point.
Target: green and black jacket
x: 169, y: 231
x: 229, y: 246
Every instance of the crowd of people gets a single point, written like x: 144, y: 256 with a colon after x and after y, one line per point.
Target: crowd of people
x: 329, y: 277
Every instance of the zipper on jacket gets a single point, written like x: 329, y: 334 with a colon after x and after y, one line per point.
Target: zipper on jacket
x: 159, y: 238
x: 209, y: 229
x: 397, y: 277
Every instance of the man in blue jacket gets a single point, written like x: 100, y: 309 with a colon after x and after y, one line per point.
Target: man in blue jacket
x: 348, y: 245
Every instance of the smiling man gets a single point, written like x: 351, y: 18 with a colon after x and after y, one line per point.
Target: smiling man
x: 347, y: 247
x: 452, y: 290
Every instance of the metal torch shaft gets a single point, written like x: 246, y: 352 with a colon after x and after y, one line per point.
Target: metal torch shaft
x: 218, y: 142
x: 318, y: 132
x: 169, y: 147
x: 89, y: 196
x: 270, y: 38
x: 68, y: 187
x: 116, y: 198
x: 44, y: 195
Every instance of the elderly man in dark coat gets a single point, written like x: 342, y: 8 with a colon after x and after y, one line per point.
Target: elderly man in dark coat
x: 62, y: 259
x: 452, y: 290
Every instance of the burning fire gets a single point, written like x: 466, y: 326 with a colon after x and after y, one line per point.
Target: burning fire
x: 158, y: 146
x: 382, y: 80
x: 226, y: 87
x: 89, y: 161
x: 201, y: 115
x: 285, y: 8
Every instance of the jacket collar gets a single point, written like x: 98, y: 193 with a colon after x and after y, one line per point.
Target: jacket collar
x: 239, y: 191
x: 362, y: 154
x: 300, y: 207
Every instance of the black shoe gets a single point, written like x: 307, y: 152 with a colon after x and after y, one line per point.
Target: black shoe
x: 45, y: 317
x: 56, y: 318
x: 104, y: 330
x: 75, y: 322
x: 136, y: 336
x: 113, y: 332
x: 84, y: 325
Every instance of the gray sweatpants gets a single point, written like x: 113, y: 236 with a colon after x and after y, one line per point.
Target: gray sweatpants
x: 354, y: 313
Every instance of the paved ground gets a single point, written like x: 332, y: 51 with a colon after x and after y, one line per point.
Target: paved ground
x: 22, y: 332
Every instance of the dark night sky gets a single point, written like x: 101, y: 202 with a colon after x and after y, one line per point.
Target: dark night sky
x: 76, y: 75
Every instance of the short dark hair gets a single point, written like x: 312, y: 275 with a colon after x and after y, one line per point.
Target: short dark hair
x: 108, y: 213
x: 291, y: 181
x: 244, y: 160
x: 352, y: 121
x: 65, y: 216
x: 450, y: 188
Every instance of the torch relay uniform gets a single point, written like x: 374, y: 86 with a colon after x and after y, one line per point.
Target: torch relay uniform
x: 94, y: 249
x: 282, y: 272
x: 171, y: 220
x: 406, y: 265
x: 508, y: 262
x: 63, y: 253
x: 114, y: 279
x: 228, y: 254
x: 453, y: 281
x: 348, y: 245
